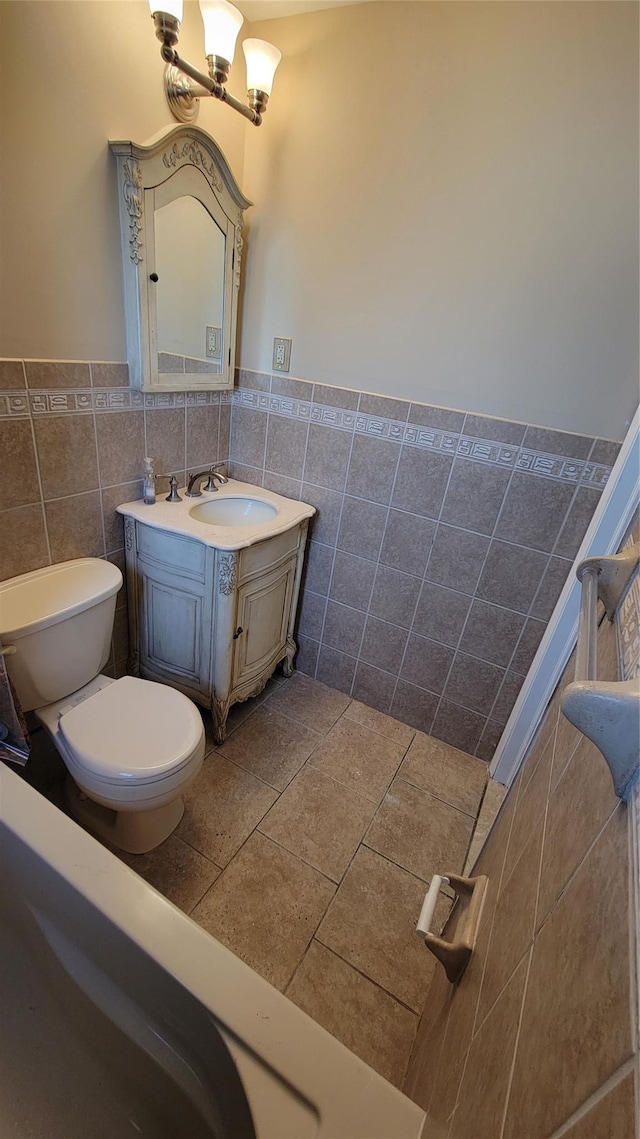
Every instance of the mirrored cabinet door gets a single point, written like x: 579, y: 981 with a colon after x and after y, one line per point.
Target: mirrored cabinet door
x: 181, y: 217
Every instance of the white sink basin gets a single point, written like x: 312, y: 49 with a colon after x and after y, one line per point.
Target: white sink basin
x: 238, y: 511
x: 232, y: 518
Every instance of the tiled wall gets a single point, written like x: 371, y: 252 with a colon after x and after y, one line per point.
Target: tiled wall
x: 73, y: 436
x: 441, y: 543
x: 540, y: 1033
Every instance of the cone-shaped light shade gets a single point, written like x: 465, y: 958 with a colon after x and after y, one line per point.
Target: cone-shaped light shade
x: 222, y: 22
x: 171, y: 7
x: 262, y: 59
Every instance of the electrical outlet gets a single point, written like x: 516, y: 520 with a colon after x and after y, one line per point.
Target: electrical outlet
x: 281, y: 354
x: 214, y: 342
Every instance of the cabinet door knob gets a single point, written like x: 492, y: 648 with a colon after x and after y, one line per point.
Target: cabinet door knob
x: 237, y: 633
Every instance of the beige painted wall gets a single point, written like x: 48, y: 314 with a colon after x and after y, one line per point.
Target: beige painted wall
x: 447, y: 208
x: 74, y: 75
x: 465, y: 234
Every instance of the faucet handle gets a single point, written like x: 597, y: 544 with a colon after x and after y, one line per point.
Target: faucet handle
x: 211, y: 485
x: 173, y: 495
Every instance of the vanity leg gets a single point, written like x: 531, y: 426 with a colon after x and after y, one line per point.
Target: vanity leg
x: 287, y: 664
x: 219, y: 713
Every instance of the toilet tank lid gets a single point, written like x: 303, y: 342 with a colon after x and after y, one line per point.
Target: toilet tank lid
x: 46, y: 596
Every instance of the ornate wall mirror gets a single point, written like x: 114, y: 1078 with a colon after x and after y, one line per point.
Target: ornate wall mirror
x: 181, y: 229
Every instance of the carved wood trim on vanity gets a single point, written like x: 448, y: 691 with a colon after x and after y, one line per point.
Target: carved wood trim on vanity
x: 227, y: 573
x: 184, y: 162
x: 132, y: 194
x: 133, y: 663
x: 225, y: 619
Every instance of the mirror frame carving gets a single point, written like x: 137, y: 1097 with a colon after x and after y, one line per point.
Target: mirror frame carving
x: 142, y: 168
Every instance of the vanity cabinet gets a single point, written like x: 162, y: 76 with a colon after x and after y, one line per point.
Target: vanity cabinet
x: 213, y: 623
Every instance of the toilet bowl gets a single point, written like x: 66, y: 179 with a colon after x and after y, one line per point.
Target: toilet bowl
x: 131, y: 747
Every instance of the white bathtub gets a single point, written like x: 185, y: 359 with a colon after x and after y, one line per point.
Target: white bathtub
x: 121, y: 1017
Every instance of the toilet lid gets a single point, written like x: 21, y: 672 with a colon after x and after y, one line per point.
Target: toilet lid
x: 133, y: 731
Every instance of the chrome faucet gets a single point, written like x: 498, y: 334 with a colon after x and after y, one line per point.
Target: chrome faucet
x: 211, y: 475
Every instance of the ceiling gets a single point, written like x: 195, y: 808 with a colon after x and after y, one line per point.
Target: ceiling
x: 273, y: 9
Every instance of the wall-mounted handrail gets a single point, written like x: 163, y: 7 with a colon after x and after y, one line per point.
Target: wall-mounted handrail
x: 587, y: 648
x: 608, y: 712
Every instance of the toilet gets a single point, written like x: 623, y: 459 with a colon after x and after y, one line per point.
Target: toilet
x: 131, y: 747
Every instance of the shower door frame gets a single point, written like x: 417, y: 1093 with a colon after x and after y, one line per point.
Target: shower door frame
x: 612, y: 518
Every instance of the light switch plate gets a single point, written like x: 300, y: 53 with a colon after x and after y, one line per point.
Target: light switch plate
x: 214, y: 342
x: 281, y: 354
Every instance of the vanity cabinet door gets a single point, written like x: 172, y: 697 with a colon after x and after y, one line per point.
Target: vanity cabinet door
x: 175, y: 630
x: 263, y: 615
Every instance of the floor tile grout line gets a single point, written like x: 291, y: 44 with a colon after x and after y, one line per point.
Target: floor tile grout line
x: 366, y: 976
x: 287, y: 716
x: 203, y: 895
x: 334, y: 884
x: 390, y: 739
x: 434, y: 795
x: 329, y: 904
x: 348, y: 787
x: 299, y: 857
x: 426, y: 881
x: 247, y: 771
x: 244, y: 771
x: 207, y: 857
x: 291, y: 854
x: 361, y: 841
x: 217, y: 749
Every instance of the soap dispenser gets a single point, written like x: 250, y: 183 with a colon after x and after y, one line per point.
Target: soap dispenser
x: 149, y: 485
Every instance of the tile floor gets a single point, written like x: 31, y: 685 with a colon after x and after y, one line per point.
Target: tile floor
x: 307, y: 844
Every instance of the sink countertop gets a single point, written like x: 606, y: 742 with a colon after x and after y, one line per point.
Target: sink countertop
x: 174, y: 517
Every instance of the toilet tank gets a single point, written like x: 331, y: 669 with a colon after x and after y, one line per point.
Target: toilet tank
x: 59, y: 619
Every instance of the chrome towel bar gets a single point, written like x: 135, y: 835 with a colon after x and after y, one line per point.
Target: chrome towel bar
x: 608, y: 712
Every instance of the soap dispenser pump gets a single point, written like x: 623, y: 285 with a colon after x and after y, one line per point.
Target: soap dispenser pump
x: 149, y: 485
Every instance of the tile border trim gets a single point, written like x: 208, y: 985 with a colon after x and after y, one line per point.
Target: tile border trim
x: 26, y: 402
x: 21, y: 404
x: 557, y: 467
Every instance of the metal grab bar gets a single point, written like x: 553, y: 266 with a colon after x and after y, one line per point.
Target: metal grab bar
x: 608, y: 712
x: 587, y: 650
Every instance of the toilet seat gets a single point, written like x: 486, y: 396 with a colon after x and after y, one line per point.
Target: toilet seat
x: 132, y: 733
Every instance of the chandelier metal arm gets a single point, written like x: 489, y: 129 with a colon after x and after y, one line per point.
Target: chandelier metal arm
x: 211, y: 86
